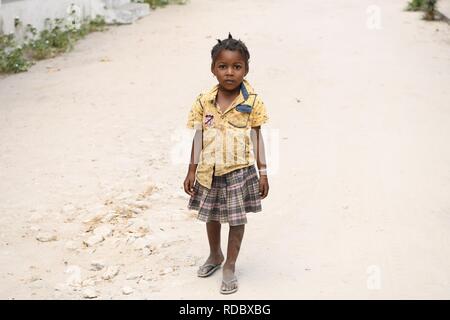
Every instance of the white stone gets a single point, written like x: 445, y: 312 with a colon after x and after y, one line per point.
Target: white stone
x: 149, y: 277
x: 46, y: 236
x: 166, y: 271
x: 61, y: 287
x: 37, y: 284
x: 155, y: 196
x: 109, y: 217
x: 68, y: 209
x: 127, y: 290
x: 90, y: 293
x: 125, y: 195
x: 143, y: 205
x: 110, y: 272
x: 97, y: 265
x: 132, y: 209
x: 134, y: 276
x: 34, y: 277
x: 74, y: 279
x: 71, y: 245
x: 166, y: 244
x: 93, y: 240
x: 35, y: 228
x: 131, y: 239
x: 93, y: 217
x: 35, y: 217
x: 144, y: 242
x: 138, y: 226
x: 89, y: 282
x: 103, y: 231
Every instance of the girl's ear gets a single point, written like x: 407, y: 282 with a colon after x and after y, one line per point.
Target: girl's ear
x: 212, y: 69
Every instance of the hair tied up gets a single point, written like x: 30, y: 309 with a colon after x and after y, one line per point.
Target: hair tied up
x: 233, y: 45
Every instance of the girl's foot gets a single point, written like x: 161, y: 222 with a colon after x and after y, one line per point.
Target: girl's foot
x: 229, y: 281
x: 211, y: 265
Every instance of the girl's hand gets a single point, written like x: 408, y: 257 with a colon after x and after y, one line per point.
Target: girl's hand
x: 263, y: 186
x: 189, y: 183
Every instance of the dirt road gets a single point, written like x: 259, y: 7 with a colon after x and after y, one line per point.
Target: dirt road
x: 358, y: 98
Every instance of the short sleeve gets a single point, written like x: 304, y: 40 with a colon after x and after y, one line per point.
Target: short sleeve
x: 195, y: 118
x: 259, y: 114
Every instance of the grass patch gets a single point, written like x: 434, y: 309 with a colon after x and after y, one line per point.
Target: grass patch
x: 57, y: 38
x: 161, y: 3
x: 415, y: 5
x: 12, y: 56
x: 427, y: 6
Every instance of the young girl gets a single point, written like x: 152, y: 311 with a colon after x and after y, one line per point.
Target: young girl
x: 222, y: 179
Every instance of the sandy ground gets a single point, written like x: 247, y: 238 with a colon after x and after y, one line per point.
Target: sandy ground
x: 358, y: 207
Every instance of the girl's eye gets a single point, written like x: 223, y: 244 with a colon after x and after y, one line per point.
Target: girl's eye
x: 222, y: 66
x: 238, y: 67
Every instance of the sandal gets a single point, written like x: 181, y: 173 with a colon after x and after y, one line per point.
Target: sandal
x: 227, y: 283
x: 207, y: 269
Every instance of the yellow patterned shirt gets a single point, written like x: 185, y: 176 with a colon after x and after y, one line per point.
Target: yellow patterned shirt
x: 226, y: 136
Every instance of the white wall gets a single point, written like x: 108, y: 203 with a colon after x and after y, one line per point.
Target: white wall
x: 35, y: 12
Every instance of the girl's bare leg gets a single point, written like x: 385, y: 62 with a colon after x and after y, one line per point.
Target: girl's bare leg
x: 215, y: 252
x: 234, y: 244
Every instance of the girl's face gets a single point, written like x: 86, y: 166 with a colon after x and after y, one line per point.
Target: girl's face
x: 229, y: 69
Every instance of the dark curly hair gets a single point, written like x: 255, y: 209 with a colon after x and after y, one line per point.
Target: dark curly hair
x: 232, y: 45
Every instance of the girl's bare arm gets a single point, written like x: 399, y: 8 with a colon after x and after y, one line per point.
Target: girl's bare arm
x: 260, y: 154
x: 196, y: 149
x: 195, y: 156
x: 258, y: 148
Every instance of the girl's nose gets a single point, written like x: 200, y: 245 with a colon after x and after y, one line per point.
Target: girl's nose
x: 229, y: 71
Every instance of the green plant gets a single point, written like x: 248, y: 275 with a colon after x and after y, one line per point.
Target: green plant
x: 6, y: 41
x: 12, y: 57
x: 41, y: 48
x: 30, y: 33
x: 61, y: 38
x: 17, y: 22
x: 161, y: 3
x: 81, y: 32
x: 15, y: 62
x: 428, y: 6
x: 430, y: 10
x: 157, y: 3
x: 97, y: 24
x: 89, y: 26
x: 51, y: 42
x: 415, y: 5
x: 57, y: 37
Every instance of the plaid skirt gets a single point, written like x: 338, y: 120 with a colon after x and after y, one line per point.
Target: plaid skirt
x: 231, y: 196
